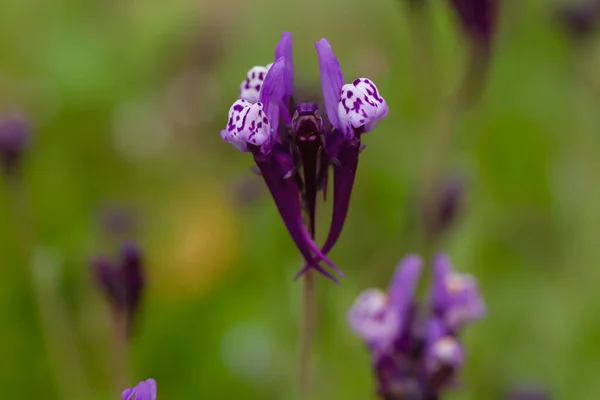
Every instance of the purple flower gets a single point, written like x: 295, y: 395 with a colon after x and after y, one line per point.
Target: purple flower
x: 443, y: 206
x: 293, y: 146
x: 145, y: 390
x: 416, y: 351
x: 122, y: 282
x: 15, y: 135
x: 455, y: 297
x: 579, y: 19
x: 478, y: 18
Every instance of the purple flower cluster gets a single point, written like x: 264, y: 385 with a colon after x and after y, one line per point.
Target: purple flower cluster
x: 416, y: 351
x: 122, y: 281
x: 145, y: 390
x: 294, y: 145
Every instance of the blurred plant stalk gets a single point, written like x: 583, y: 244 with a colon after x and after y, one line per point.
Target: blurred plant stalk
x: 54, y: 322
x: 477, y: 24
x: 306, y: 336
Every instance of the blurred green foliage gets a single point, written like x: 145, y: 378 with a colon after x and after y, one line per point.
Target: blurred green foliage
x: 127, y: 99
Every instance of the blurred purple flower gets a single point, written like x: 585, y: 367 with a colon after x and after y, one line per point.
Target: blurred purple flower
x: 478, y: 18
x: 528, y: 392
x: 122, y: 282
x: 15, y: 135
x: 293, y: 146
x: 145, y: 390
x: 443, y: 208
x: 416, y: 351
x: 579, y: 19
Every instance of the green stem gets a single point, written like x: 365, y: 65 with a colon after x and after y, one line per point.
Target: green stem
x: 51, y: 313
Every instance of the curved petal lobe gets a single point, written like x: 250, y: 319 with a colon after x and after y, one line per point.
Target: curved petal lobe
x: 332, y: 80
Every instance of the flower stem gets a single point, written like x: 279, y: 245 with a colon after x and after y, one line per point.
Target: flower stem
x: 54, y: 323
x: 120, y: 352
x: 308, y: 315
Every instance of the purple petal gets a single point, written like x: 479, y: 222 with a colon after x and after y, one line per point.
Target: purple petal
x: 145, y: 390
x: 127, y: 393
x: 373, y: 320
x: 441, y: 349
x: 275, y: 168
x: 405, y: 282
x: 284, y: 49
x: 332, y: 80
x: 272, y: 93
x: 455, y: 297
x: 344, y: 172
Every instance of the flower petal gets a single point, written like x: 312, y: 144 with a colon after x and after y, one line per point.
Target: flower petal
x: 455, y: 297
x: 251, y: 86
x: 332, y: 80
x: 373, y: 320
x: 285, y: 49
x: 275, y: 169
x: 247, y: 124
x: 360, y: 105
x: 405, y: 282
x: 271, y: 93
x: 145, y: 390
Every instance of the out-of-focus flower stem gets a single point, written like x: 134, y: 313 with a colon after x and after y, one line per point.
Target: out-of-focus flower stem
x: 423, y: 52
x: 308, y: 318
x: 54, y: 324
x: 446, y: 125
x: 120, y: 351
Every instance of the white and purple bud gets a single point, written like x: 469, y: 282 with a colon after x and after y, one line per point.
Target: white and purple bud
x: 360, y: 106
x: 247, y: 124
x: 251, y: 86
x: 352, y: 108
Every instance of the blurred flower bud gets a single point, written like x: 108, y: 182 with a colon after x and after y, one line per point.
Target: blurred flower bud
x: 478, y: 19
x: 443, y: 209
x: 580, y: 19
x: 118, y: 220
x: 528, y: 392
x: 14, y: 138
x: 122, y: 282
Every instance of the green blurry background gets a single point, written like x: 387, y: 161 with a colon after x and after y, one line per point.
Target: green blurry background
x: 127, y: 99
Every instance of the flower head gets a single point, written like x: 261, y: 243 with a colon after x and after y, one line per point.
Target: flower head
x: 478, y: 18
x: 294, y: 147
x: 416, y: 351
x: 122, y: 282
x: 15, y: 135
x: 145, y: 390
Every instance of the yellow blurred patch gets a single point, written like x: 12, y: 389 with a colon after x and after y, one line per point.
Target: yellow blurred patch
x: 199, y: 245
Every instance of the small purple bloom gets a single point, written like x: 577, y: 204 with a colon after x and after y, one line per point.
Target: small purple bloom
x: 416, y: 351
x: 455, y: 297
x: 579, y: 19
x: 145, y: 390
x: 293, y: 146
x: 15, y: 135
x: 378, y: 317
x: 478, y: 18
x: 122, y: 282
